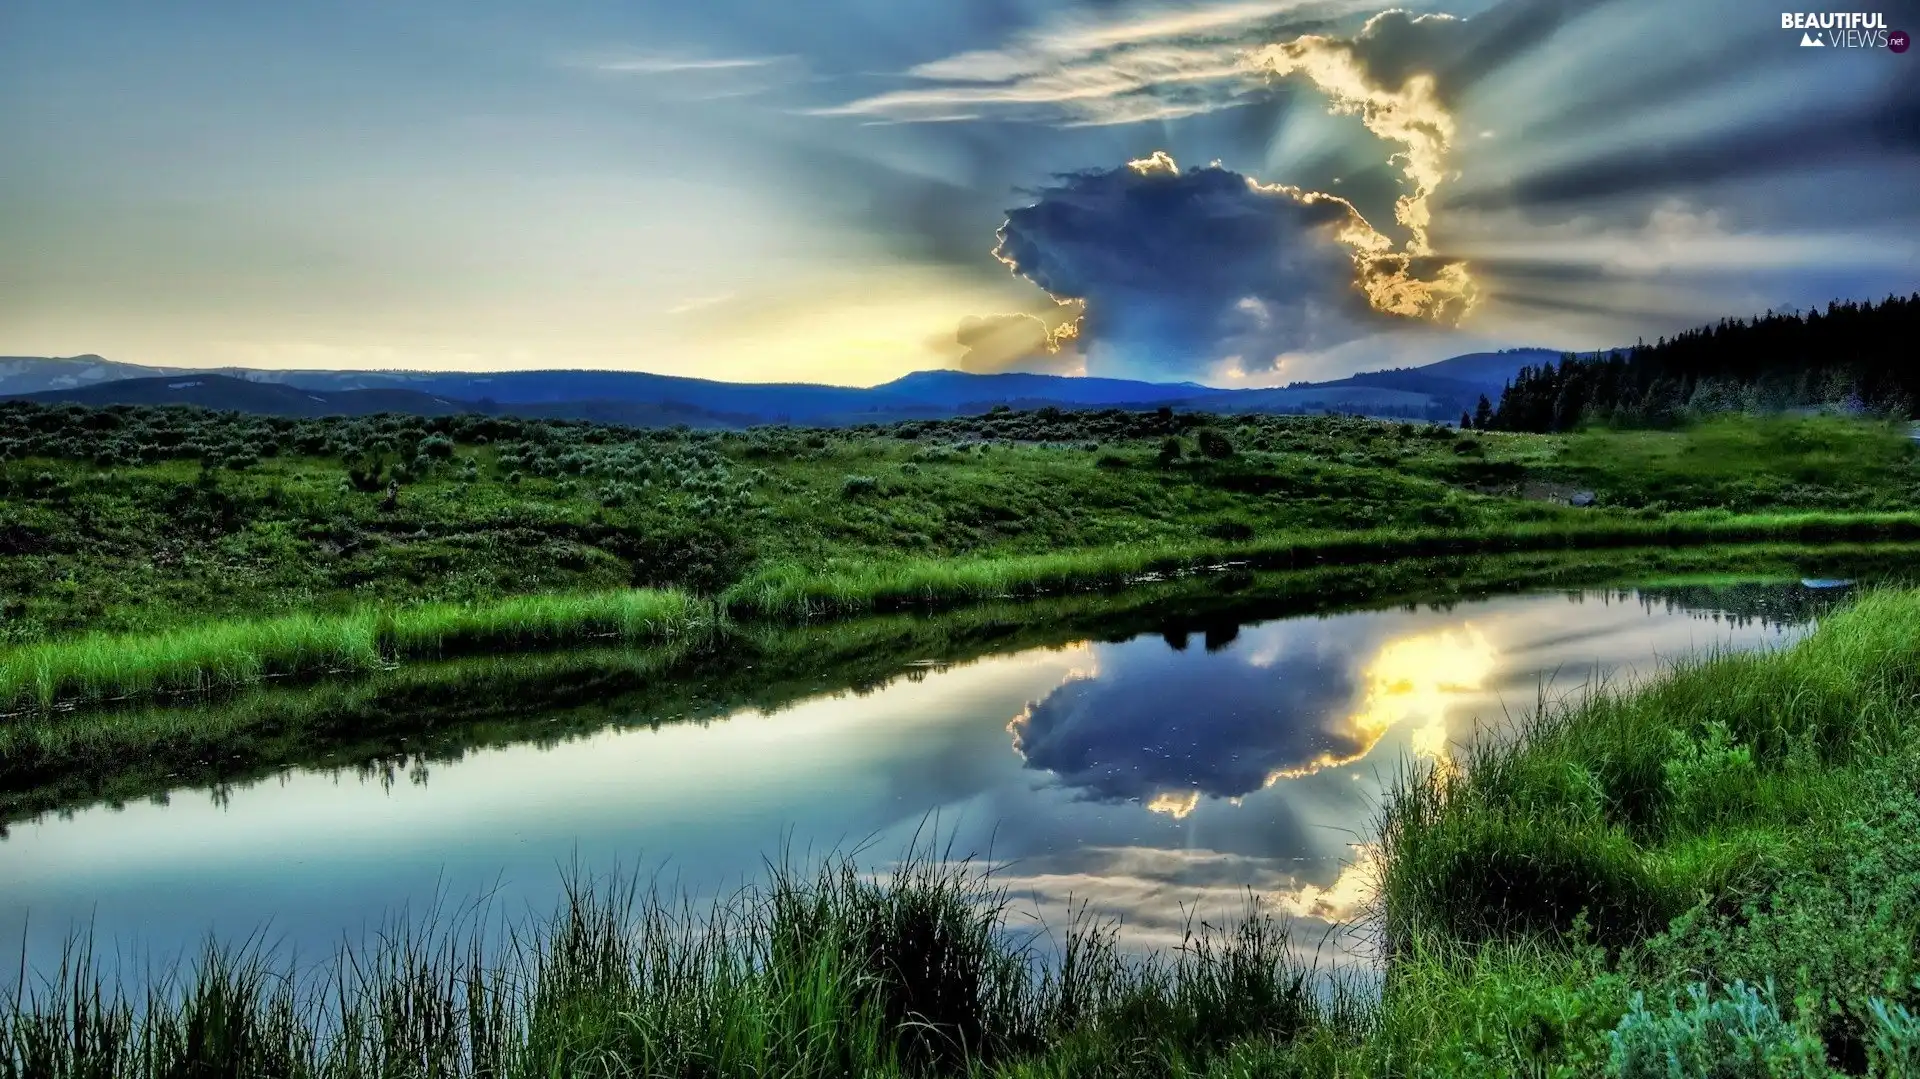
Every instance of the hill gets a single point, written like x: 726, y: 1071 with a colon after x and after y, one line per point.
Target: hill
x: 227, y: 393
x: 34, y: 374
x: 1437, y: 392
x: 1486, y: 370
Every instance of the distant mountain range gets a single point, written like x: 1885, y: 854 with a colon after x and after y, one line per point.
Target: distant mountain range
x: 1437, y: 391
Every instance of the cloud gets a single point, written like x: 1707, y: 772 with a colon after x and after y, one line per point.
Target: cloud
x: 1133, y: 733
x: 674, y: 65
x: 1017, y: 342
x: 1373, y: 76
x: 694, y: 77
x: 700, y: 303
x: 1159, y: 895
x: 1161, y: 65
x: 1181, y: 268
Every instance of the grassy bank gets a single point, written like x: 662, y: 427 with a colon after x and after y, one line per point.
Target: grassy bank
x: 1717, y: 874
x: 140, y: 548
x: 223, y: 654
x: 142, y: 520
x: 795, y: 592
x: 198, y: 657
x: 1750, y: 819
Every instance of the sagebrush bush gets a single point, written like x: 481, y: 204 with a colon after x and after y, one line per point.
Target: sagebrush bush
x: 1214, y: 444
x: 1739, y: 1036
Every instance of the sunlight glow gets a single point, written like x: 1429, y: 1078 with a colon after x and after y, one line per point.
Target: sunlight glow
x: 1174, y: 804
x: 1411, y: 680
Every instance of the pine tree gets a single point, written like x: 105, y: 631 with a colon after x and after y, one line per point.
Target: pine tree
x: 1772, y: 360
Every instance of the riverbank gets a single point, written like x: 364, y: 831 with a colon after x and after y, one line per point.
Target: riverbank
x: 162, y: 550
x: 225, y: 654
x: 1720, y: 868
x: 439, y: 709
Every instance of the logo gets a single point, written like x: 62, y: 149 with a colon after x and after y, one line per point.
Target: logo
x: 1844, y: 30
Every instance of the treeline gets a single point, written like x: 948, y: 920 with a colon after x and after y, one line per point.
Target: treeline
x: 1856, y: 357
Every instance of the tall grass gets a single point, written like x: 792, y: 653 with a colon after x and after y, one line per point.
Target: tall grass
x: 1746, y: 816
x: 204, y: 656
x: 199, y: 657
x: 798, y: 592
x: 822, y: 974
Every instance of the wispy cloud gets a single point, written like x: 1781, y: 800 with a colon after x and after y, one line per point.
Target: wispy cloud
x: 699, y: 303
x: 1159, y: 66
x: 693, y: 76
x: 674, y: 65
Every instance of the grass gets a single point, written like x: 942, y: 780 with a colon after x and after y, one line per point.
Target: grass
x: 1748, y: 818
x: 795, y: 592
x: 821, y: 974
x: 140, y: 546
x: 218, y: 654
x: 113, y: 521
x: 200, y: 657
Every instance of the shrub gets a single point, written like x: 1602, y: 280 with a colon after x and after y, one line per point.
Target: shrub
x: 1740, y: 1037
x: 858, y: 486
x: 1895, y: 1049
x: 1706, y: 774
x: 1231, y: 530
x: 1170, y: 451
x: 1214, y: 444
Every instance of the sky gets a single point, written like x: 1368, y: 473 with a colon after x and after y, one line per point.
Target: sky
x: 1236, y: 192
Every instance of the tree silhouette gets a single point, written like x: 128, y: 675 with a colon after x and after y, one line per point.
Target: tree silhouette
x: 1853, y: 355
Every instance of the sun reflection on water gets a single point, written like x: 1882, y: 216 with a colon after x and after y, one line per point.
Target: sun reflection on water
x: 1411, y: 680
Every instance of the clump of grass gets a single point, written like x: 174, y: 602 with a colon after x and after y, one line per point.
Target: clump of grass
x: 189, y: 658
x: 793, y: 591
x: 1747, y: 816
x: 201, y: 657
x: 1572, y: 817
x: 817, y: 974
x: 634, y: 615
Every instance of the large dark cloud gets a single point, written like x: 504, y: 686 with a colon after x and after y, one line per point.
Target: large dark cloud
x: 1568, y: 116
x: 1153, y: 722
x: 1178, y: 269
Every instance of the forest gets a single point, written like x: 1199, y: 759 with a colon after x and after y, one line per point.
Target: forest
x: 1852, y: 357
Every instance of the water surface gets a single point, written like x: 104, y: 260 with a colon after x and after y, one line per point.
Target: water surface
x: 1157, y: 778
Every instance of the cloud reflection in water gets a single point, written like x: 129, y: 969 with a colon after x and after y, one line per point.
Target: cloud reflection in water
x: 1163, y: 728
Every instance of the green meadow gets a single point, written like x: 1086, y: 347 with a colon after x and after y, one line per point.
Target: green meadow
x: 166, y: 550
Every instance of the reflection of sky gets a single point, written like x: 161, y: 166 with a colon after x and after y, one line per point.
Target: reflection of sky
x: 1149, y: 781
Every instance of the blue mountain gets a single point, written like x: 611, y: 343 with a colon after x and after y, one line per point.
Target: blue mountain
x: 1438, y: 391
